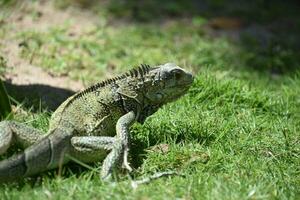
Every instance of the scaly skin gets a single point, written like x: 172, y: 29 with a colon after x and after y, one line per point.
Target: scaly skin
x: 93, y: 125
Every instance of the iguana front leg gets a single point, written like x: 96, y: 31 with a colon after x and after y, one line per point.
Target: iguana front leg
x: 120, y: 146
x: 16, y: 133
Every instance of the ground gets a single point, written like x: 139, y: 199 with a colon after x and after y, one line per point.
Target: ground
x: 235, y: 135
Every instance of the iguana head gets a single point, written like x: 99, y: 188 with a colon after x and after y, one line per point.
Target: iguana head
x: 168, y: 82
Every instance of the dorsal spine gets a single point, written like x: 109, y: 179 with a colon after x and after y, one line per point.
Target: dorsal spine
x: 135, y: 72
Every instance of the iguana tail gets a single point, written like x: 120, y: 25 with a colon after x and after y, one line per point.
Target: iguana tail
x: 48, y: 153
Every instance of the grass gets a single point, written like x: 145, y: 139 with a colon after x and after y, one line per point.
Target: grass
x: 235, y: 135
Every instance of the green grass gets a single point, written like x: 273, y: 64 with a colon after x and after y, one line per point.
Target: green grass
x: 235, y: 135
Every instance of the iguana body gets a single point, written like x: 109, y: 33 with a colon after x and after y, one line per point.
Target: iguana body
x: 92, y: 125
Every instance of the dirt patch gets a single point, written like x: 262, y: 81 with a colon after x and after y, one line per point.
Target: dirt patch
x: 39, y: 16
x: 42, y: 15
x: 21, y: 72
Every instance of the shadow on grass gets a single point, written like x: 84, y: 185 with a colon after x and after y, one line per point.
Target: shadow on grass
x: 37, y: 96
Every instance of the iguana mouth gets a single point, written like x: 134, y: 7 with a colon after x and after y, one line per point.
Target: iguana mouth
x: 188, y: 79
x: 187, y: 82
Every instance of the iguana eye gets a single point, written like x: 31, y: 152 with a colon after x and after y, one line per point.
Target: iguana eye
x: 176, y: 73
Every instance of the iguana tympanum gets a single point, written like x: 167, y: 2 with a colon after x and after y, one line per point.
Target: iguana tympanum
x: 93, y: 125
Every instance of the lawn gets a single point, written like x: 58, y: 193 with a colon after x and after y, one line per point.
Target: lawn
x: 234, y: 135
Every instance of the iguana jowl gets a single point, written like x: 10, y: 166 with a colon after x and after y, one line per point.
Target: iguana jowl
x: 93, y: 125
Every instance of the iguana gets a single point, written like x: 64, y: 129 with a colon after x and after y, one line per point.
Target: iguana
x: 93, y: 125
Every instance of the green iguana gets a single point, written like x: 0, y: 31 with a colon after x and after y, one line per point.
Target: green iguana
x: 93, y: 125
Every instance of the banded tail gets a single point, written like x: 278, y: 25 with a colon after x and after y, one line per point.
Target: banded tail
x: 47, y: 154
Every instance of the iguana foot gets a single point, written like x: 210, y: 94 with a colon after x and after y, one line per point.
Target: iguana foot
x: 119, y: 152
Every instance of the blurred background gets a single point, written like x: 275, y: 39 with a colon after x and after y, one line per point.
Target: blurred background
x: 64, y: 46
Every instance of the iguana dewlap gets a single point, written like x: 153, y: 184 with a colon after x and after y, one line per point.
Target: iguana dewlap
x: 93, y: 125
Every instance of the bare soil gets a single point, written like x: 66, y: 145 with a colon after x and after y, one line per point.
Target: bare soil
x: 39, y: 16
